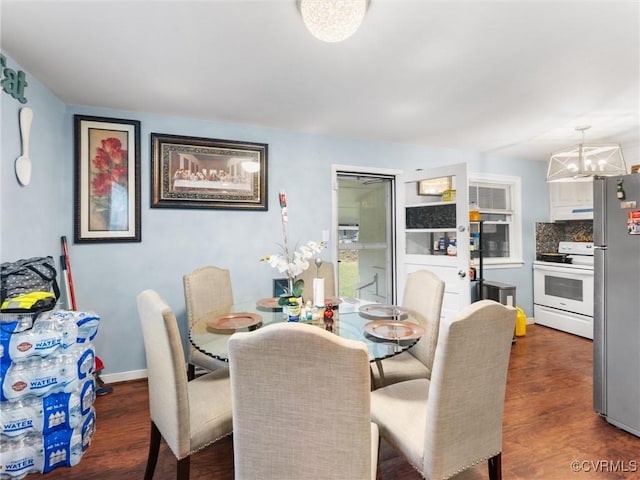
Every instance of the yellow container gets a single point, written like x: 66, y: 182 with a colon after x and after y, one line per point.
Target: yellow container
x: 448, y: 195
x: 521, y: 323
x: 474, y: 213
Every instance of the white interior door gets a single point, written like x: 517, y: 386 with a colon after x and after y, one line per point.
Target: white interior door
x: 433, y: 230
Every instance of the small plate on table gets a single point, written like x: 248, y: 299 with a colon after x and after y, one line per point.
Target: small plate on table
x: 270, y: 303
x: 234, y: 321
x: 394, y: 330
x: 377, y: 310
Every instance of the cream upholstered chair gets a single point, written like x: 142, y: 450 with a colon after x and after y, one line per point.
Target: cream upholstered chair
x: 423, y: 294
x: 188, y: 415
x: 301, y: 401
x: 207, y: 293
x: 454, y: 421
x: 327, y: 272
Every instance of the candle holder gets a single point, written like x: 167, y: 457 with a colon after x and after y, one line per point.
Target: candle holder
x: 318, y: 262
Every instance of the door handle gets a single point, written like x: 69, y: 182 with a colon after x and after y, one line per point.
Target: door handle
x: 462, y: 274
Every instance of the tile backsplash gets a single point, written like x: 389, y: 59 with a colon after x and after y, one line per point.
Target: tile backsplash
x: 548, y: 235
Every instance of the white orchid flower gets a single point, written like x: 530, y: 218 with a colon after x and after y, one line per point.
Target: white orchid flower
x: 292, y: 263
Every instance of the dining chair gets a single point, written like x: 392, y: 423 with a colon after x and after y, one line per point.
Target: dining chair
x: 188, y: 415
x: 454, y: 421
x: 325, y: 271
x: 207, y: 293
x: 423, y: 294
x: 301, y: 405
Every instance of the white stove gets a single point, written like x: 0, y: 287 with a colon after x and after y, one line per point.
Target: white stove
x: 563, y: 292
x: 577, y: 255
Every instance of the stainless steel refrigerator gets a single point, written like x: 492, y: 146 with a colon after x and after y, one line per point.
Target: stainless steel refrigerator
x: 616, y: 336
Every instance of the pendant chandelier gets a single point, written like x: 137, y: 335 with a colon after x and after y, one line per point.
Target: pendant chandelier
x: 584, y: 161
x: 332, y: 20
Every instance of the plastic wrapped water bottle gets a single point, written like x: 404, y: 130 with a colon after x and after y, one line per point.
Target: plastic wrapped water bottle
x: 21, y: 417
x: 8, y: 329
x: 40, y: 341
x: 66, y: 447
x: 81, y: 401
x: 88, y: 323
x: 33, y: 377
x: 47, y: 414
x: 87, y: 395
x: 75, y: 448
x: 68, y: 372
x: 21, y: 456
x: 15, y: 380
x: 81, y: 438
x: 64, y: 325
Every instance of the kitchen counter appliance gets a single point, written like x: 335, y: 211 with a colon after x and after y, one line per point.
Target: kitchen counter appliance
x: 616, y: 340
x: 554, y: 257
x: 563, y: 289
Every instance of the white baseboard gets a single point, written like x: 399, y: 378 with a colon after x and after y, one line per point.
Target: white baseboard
x: 136, y: 375
x: 124, y: 376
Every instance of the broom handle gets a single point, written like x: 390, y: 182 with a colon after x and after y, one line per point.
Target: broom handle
x: 65, y: 252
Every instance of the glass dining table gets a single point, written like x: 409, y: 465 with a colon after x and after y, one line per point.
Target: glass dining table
x: 386, y: 330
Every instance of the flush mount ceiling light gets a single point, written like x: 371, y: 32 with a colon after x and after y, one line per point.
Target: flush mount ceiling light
x: 584, y: 161
x: 332, y: 20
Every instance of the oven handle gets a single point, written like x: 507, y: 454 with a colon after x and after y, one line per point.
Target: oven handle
x: 567, y: 271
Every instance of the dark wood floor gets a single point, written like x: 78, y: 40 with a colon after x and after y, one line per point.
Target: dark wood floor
x: 548, y: 424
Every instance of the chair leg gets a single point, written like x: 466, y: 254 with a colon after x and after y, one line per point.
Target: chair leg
x: 191, y: 372
x: 154, y: 448
x: 495, y: 467
x: 381, y: 373
x: 183, y: 468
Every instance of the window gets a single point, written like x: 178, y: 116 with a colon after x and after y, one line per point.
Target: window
x: 498, y: 199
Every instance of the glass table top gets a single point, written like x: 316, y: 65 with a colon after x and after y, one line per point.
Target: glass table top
x: 348, y: 322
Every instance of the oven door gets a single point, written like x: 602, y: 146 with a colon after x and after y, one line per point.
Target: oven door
x: 564, y: 288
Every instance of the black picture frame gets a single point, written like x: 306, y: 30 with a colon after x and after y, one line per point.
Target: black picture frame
x: 195, y: 172
x: 107, y: 180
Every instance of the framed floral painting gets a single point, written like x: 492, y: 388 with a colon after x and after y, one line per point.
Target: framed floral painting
x: 192, y: 172
x: 107, y: 180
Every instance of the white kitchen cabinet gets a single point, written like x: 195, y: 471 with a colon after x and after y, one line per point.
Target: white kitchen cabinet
x: 571, y: 200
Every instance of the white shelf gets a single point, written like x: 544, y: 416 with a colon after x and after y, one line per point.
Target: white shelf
x: 430, y: 204
x: 429, y: 230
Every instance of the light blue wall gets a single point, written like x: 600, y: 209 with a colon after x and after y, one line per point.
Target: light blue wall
x: 108, y: 277
x: 34, y: 217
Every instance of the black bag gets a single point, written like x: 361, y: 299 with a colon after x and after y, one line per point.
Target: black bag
x: 37, y: 274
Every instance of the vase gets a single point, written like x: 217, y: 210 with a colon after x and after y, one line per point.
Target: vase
x: 99, y: 219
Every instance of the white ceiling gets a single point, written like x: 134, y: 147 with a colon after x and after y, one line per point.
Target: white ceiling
x: 511, y: 78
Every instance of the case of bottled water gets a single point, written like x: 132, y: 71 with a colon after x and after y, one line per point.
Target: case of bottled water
x: 37, y: 453
x: 47, y: 390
